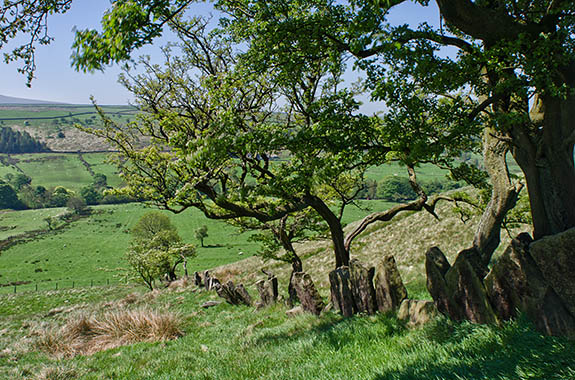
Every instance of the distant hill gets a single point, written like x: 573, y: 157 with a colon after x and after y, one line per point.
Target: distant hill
x: 12, y: 100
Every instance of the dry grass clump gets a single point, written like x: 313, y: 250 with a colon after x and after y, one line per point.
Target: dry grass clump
x: 57, y: 373
x: 180, y: 284
x: 227, y: 272
x: 86, y: 335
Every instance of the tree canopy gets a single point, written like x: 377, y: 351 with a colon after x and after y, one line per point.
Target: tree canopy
x: 511, y: 79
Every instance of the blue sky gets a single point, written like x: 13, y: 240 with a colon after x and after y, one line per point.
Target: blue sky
x: 57, y: 81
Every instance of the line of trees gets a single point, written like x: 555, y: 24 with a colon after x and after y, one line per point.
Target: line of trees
x: 17, y: 192
x: 14, y: 142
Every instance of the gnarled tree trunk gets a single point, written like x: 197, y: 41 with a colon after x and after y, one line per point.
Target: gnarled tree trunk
x: 547, y: 161
x: 503, y: 195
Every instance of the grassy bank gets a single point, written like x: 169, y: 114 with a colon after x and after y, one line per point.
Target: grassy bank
x: 227, y: 342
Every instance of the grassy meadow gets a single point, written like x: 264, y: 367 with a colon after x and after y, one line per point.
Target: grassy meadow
x: 53, y: 117
x: 237, y: 342
x: 92, y: 249
x: 61, y: 169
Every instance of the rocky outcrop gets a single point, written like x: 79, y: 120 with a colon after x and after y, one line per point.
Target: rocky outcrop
x: 517, y: 284
x: 359, y: 289
x: 533, y: 278
x: 555, y: 257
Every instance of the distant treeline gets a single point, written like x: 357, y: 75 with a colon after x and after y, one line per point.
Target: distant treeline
x: 19, y: 142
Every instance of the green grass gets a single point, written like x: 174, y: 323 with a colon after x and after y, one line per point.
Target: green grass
x: 62, y: 169
x: 99, y: 162
x: 424, y: 172
x: 50, y: 170
x: 227, y: 342
x: 18, y: 222
x: 91, y: 249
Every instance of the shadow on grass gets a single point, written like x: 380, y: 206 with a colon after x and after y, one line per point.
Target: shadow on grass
x: 515, y: 351
x: 213, y: 246
x: 336, y: 331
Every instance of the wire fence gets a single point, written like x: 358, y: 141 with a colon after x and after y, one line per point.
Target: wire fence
x: 57, y: 285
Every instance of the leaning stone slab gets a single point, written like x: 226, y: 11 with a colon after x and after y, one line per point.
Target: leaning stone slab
x: 516, y: 284
x: 198, y: 279
x: 307, y: 293
x: 341, y: 294
x: 235, y: 295
x: 436, y: 267
x: 362, y: 289
x: 268, y: 291
x: 389, y: 289
x: 467, y: 295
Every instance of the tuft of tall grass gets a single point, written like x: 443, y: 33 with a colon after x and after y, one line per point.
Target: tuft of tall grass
x: 57, y: 373
x: 86, y: 335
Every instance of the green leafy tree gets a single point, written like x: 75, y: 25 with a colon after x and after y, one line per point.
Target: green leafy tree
x: 100, y: 181
x: 91, y: 195
x: 395, y: 189
x: 513, y: 73
x: 227, y: 129
x: 59, y: 197
x: 150, y: 224
x: 77, y: 206
x: 201, y: 233
x: 9, y: 197
x: 277, y: 239
x: 157, y: 249
x: 438, y: 106
x: 21, y: 180
x: 19, y: 142
x: 212, y: 149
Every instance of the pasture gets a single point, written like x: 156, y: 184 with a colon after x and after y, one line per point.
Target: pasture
x: 70, y: 170
x: 92, y: 249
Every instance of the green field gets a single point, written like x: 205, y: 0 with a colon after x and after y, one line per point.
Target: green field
x: 53, y: 118
x: 18, y: 222
x: 61, y: 169
x: 92, y: 249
